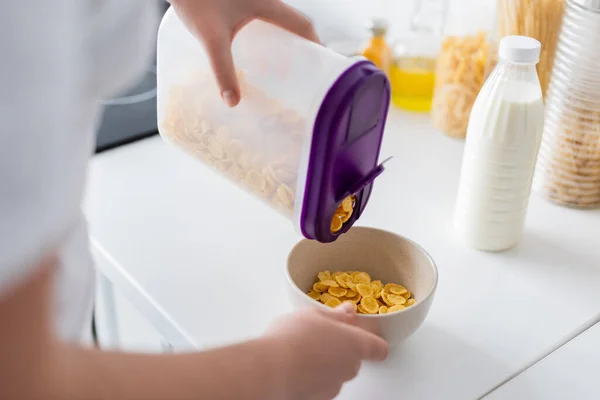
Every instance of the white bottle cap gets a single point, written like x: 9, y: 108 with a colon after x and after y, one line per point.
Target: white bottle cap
x: 520, y: 49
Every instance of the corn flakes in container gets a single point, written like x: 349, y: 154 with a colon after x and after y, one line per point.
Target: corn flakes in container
x: 306, y: 135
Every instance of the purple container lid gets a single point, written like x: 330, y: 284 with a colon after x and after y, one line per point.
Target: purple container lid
x: 345, y: 148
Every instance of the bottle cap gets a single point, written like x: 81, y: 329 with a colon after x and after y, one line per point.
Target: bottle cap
x: 378, y: 26
x: 520, y: 49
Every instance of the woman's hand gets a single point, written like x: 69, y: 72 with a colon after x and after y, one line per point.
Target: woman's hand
x: 322, y: 349
x: 216, y: 22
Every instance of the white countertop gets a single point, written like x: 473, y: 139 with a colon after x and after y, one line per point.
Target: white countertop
x: 569, y: 373
x: 212, y: 259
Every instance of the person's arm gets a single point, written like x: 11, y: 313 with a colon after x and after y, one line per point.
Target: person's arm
x: 35, y: 365
x: 308, y: 355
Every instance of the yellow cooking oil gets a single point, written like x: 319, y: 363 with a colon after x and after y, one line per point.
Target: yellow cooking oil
x: 412, y: 80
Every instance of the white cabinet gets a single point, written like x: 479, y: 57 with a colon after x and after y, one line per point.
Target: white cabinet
x: 119, y: 325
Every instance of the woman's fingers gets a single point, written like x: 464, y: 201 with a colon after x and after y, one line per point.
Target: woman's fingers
x: 371, y: 346
x: 343, y: 313
x: 215, y: 29
x: 288, y: 18
x: 216, y: 37
x: 218, y: 46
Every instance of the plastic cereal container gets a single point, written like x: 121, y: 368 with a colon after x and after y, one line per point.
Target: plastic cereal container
x: 306, y: 136
x: 568, y: 168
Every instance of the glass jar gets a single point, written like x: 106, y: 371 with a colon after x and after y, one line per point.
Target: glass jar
x: 306, y: 135
x: 568, y: 168
x: 412, y: 74
x: 539, y: 19
x: 468, y: 54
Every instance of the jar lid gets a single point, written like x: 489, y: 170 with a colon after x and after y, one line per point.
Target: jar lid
x: 345, y: 148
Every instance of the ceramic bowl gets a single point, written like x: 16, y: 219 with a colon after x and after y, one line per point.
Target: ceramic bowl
x: 386, y: 256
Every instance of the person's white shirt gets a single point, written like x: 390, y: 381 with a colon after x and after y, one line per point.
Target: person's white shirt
x: 58, y: 60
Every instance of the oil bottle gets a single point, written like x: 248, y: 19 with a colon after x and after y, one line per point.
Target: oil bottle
x: 377, y: 49
x: 412, y: 73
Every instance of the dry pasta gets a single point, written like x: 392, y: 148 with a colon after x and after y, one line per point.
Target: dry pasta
x: 539, y: 19
x: 461, y: 70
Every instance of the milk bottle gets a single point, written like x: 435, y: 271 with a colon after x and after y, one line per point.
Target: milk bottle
x: 503, y: 138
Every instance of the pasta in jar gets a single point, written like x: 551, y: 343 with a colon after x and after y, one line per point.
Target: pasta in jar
x: 462, y: 68
x: 539, y: 19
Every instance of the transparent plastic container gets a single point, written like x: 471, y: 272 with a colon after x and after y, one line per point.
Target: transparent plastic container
x: 468, y: 54
x: 568, y: 169
x: 306, y: 135
x: 503, y: 139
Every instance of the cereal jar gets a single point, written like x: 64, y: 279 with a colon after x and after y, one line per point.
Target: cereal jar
x: 568, y: 167
x: 467, y: 56
x: 306, y: 136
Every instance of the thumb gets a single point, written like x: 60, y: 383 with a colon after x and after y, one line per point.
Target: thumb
x: 343, y: 313
x: 218, y: 47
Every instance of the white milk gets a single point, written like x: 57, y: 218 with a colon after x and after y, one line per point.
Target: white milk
x: 503, y: 138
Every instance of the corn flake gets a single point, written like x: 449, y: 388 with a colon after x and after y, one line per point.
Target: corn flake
x: 342, y: 213
x: 361, y: 277
x: 336, y: 274
x: 400, y: 290
x: 314, y: 295
x: 370, y: 305
x: 377, y: 283
x: 342, y: 279
x: 337, y: 291
x: 356, y: 287
x: 356, y: 298
x: 320, y: 287
x: 325, y: 297
x: 361, y: 309
x: 330, y: 282
x: 347, y: 204
x: 364, y: 290
x: 346, y: 216
x: 336, y: 224
x: 395, y: 299
x: 376, y: 289
x: 385, y: 299
x: 324, y: 276
x: 333, y: 302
